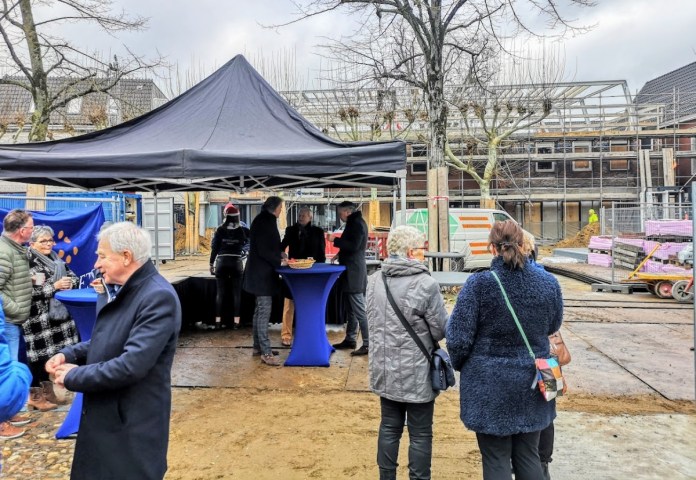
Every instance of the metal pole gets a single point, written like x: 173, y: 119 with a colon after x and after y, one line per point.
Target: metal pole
x: 157, y: 232
x: 403, y: 200
x: 613, y: 238
x: 693, y: 237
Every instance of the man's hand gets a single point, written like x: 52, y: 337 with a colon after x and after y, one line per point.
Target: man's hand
x: 54, y: 362
x: 212, y: 270
x: 61, y: 372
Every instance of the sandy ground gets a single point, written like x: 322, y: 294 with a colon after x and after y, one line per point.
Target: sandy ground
x: 631, y: 389
x: 267, y: 434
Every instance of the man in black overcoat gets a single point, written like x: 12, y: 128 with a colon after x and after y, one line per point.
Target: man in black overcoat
x: 124, y: 371
x: 303, y: 240
x: 352, y: 244
x: 260, y: 275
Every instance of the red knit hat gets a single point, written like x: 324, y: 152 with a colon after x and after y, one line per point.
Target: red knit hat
x: 230, y: 209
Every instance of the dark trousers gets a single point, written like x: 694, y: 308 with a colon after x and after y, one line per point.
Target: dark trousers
x: 521, y: 449
x: 420, y: 432
x: 546, y: 444
x: 229, y: 288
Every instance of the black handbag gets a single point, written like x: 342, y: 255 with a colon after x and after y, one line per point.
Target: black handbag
x: 441, y: 370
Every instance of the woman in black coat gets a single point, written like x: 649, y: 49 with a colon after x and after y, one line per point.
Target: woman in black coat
x: 260, y: 276
x: 229, y: 249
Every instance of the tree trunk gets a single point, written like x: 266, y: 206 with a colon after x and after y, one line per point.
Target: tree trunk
x: 39, y: 82
x: 438, y: 206
x: 485, y: 184
x: 486, y: 201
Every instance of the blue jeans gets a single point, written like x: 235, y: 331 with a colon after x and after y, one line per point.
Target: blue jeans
x: 13, y: 333
x: 262, y: 315
x: 420, y: 433
x: 356, y: 317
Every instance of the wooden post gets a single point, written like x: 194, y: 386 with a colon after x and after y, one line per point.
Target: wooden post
x: 433, y: 236
x: 283, y: 219
x: 192, y: 210
x: 36, y: 191
x: 443, y: 212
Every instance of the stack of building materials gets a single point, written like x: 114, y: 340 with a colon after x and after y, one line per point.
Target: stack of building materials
x: 628, y: 253
x: 673, y: 236
x: 600, y: 251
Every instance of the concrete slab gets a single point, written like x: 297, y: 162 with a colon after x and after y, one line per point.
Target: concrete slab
x: 576, y: 253
x: 592, y: 372
x: 657, y: 355
x: 624, y: 447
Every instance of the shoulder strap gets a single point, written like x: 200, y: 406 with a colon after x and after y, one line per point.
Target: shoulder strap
x: 407, y: 325
x: 514, y: 315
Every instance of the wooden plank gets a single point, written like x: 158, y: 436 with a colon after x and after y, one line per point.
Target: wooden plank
x: 668, y: 167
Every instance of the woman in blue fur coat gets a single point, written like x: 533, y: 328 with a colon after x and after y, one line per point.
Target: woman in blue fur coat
x: 496, y: 370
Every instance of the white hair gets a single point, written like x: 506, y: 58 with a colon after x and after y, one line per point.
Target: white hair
x: 305, y: 209
x: 403, y: 238
x: 126, y: 236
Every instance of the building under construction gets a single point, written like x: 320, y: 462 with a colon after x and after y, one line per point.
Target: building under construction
x: 596, y: 143
x: 565, y: 148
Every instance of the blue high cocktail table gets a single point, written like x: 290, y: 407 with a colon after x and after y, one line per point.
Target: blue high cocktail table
x: 82, y: 305
x: 310, y: 289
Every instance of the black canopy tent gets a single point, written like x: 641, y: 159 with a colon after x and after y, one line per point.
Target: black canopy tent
x: 231, y: 132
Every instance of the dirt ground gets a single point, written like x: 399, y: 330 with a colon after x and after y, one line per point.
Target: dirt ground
x: 299, y: 423
x: 268, y: 434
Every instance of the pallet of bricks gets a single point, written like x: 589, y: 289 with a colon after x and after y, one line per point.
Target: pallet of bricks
x: 675, y: 253
x: 673, y: 256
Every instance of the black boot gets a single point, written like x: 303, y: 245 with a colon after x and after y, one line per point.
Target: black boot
x: 344, y: 345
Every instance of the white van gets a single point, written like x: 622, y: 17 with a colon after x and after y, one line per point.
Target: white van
x: 469, y: 229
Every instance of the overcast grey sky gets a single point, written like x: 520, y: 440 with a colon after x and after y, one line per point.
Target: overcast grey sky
x: 634, y: 40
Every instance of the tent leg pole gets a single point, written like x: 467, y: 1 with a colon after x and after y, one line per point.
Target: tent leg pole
x: 157, y: 264
x: 403, y: 200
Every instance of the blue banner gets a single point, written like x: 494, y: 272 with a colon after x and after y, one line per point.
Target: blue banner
x: 75, y: 234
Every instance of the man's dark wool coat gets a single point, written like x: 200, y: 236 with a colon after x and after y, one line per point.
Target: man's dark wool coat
x: 312, y: 245
x: 260, y: 276
x: 126, y: 381
x: 352, y: 244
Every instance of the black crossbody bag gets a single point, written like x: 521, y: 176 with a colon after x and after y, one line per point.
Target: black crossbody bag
x: 441, y: 371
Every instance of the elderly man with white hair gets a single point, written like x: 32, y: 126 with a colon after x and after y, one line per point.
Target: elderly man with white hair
x: 125, y: 369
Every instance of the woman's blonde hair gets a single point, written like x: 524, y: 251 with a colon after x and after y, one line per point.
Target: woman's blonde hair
x: 403, y: 238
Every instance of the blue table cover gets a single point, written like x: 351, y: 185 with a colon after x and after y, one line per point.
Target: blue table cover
x: 310, y: 289
x: 81, y: 303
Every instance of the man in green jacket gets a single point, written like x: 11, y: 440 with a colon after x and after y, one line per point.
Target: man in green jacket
x: 15, y: 290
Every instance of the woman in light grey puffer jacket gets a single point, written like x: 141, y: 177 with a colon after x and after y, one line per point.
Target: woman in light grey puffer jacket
x: 399, y: 372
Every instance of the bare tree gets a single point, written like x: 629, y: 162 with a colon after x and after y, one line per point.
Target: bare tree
x: 425, y: 43
x: 518, y: 97
x: 32, y: 52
